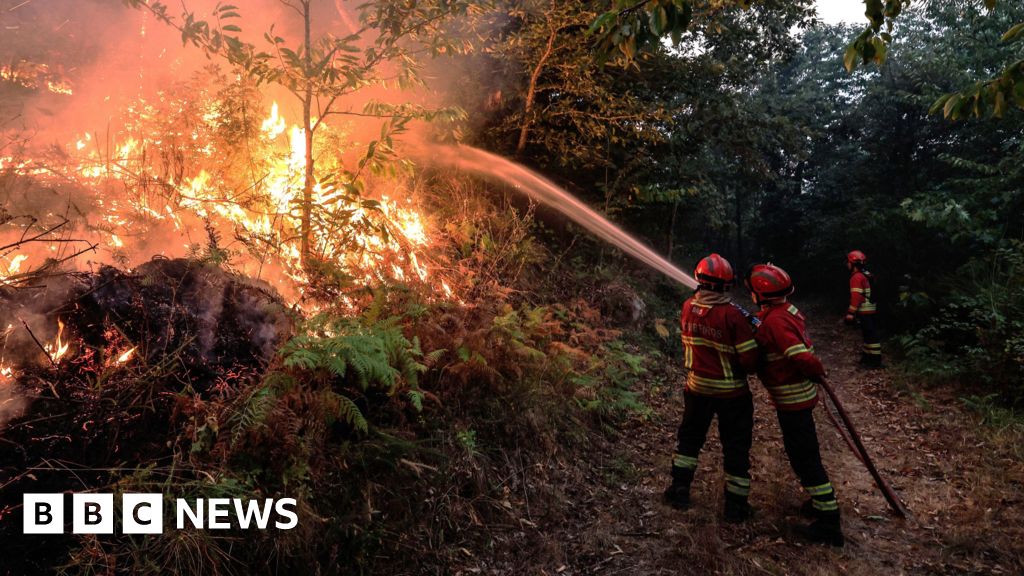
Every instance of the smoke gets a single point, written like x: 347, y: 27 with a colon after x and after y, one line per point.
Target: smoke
x: 12, y: 402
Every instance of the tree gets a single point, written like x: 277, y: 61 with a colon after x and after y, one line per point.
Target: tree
x: 630, y: 27
x: 320, y: 73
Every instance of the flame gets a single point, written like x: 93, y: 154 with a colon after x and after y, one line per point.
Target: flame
x: 58, y: 349
x: 14, y: 267
x: 35, y: 77
x: 125, y: 356
x: 274, y: 125
x: 389, y: 240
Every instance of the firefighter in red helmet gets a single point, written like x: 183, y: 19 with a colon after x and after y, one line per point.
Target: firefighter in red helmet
x: 862, y: 308
x: 720, y: 351
x: 790, y: 372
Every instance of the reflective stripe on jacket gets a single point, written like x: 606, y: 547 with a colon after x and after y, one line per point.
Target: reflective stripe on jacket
x: 788, y: 367
x: 719, y: 346
x: 860, y: 294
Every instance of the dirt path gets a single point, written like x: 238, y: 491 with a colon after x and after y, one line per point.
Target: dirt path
x: 962, y: 483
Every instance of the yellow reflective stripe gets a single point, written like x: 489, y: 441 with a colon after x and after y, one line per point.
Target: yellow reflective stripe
x: 793, y: 393
x: 867, y: 306
x: 826, y: 506
x: 773, y: 357
x: 737, y: 480
x: 731, y: 382
x: 712, y: 386
x: 819, y: 490
x: 695, y: 341
x: 737, y: 490
x: 795, y: 349
x: 688, y: 357
x: 681, y: 461
x: 746, y: 346
x: 726, y: 365
x: 858, y: 290
x: 792, y: 310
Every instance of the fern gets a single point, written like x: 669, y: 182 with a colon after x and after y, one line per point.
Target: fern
x: 346, y: 411
x: 344, y: 353
x: 253, y: 413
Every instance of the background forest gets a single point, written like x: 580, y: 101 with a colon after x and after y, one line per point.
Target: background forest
x: 447, y: 365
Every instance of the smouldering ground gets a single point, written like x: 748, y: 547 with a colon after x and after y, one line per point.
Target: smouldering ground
x: 961, y: 481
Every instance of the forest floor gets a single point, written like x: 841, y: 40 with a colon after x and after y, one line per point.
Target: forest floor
x: 961, y: 480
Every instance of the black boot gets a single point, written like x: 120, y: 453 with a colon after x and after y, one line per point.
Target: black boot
x: 825, y: 530
x: 737, y: 509
x: 871, y: 361
x: 677, y: 495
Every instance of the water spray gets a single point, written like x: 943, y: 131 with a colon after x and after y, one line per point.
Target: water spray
x: 550, y: 194
x: 547, y: 192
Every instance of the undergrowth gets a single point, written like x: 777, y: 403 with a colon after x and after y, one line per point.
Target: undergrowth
x: 404, y: 423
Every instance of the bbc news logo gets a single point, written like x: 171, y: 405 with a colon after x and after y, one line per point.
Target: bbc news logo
x: 144, y: 514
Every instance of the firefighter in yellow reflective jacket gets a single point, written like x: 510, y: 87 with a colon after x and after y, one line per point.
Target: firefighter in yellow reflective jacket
x: 862, y: 308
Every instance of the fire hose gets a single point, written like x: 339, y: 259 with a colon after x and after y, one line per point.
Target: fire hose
x: 862, y: 453
x: 849, y: 433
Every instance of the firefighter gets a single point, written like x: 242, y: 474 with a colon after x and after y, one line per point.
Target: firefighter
x: 719, y: 353
x: 790, y: 372
x: 862, y: 308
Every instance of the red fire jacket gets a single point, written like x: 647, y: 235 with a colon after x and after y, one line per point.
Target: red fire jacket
x: 719, y: 346
x: 788, y: 367
x: 860, y: 294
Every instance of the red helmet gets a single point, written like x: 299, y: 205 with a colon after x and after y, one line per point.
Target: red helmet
x: 714, y: 272
x: 768, y: 282
x: 857, y: 258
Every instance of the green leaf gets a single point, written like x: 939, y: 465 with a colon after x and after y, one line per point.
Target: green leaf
x: 1000, y: 105
x: 232, y: 28
x: 1013, y: 33
x: 939, y: 103
x: 951, y: 104
x: 850, y: 58
x: 881, y: 50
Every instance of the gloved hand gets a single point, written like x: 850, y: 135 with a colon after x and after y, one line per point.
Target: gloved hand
x: 849, y: 320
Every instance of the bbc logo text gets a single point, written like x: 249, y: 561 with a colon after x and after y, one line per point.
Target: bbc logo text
x: 94, y: 513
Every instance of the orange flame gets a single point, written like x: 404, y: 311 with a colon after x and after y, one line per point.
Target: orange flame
x: 389, y: 241
x: 58, y: 349
x: 125, y: 356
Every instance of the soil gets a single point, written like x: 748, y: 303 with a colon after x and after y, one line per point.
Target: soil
x: 960, y: 479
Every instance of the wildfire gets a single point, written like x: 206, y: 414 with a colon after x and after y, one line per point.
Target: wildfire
x: 34, y: 77
x: 259, y: 217
x: 58, y: 348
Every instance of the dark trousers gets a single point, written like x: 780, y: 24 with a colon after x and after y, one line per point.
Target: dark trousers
x: 872, y: 351
x: 800, y: 437
x: 735, y: 428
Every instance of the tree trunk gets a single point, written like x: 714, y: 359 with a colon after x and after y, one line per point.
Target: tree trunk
x: 306, y: 230
x: 531, y: 92
x: 739, y: 227
x: 672, y: 230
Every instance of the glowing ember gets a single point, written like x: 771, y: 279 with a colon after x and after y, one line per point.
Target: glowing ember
x: 126, y: 356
